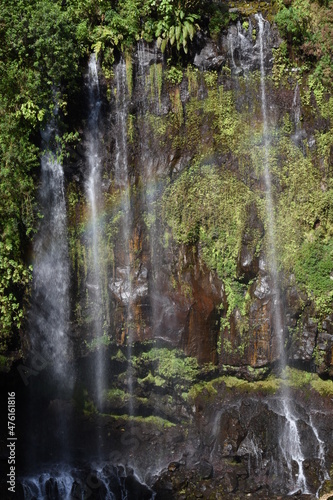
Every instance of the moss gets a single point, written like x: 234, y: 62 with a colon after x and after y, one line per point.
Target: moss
x: 169, y: 364
x: 323, y: 387
x: 209, y: 390
x: 158, y: 422
x: 206, y: 389
x: 268, y: 386
x: 152, y: 380
x: 299, y: 379
x: 116, y: 396
x: 119, y: 356
x: 89, y: 408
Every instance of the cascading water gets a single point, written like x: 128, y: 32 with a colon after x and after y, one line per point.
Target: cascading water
x: 123, y: 282
x: 104, y: 482
x: 291, y: 448
x: 49, y: 314
x: 290, y: 442
x: 324, y: 475
x: 93, y: 187
x: 148, y: 70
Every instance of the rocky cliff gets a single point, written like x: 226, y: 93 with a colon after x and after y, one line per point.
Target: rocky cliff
x: 174, y: 271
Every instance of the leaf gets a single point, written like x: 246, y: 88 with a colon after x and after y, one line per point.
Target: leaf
x: 97, y: 47
x: 164, y: 44
x: 178, y: 33
x: 190, y: 29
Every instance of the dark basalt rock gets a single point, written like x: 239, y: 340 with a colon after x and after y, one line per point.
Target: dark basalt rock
x: 210, y: 57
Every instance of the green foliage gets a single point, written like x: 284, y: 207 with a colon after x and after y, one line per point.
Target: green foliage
x: 281, y: 63
x: 210, y: 78
x: 174, y: 75
x: 209, y: 389
x: 171, y: 364
x: 227, y: 121
x: 314, y: 268
x: 299, y: 380
x: 208, y: 206
x: 292, y: 23
x: 308, y: 29
x: 98, y: 342
x: 176, y: 25
x: 39, y: 56
x: 218, y: 20
x: 114, y: 396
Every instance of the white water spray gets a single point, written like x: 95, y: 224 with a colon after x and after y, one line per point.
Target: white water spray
x: 93, y: 186
x: 49, y: 315
x: 290, y: 443
x: 122, y: 182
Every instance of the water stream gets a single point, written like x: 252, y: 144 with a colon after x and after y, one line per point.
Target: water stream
x: 122, y: 182
x: 290, y: 442
x: 93, y: 187
x: 49, y: 314
x: 104, y: 482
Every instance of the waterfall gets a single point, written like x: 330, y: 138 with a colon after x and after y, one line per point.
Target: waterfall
x: 68, y: 483
x: 290, y: 443
x: 49, y: 314
x: 147, y: 69
x: 321, y: 456
x: 291, y: 448
x: 278, y: 317
x: 93, y: 187
x: 122, y: 183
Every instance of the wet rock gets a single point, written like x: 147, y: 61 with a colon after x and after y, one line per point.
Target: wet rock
x: 136, y: 490
x: 263, y: 288
x: 209, y: 58
x: 173, y: 466
x: 205, y: 469
x: 304, y: 338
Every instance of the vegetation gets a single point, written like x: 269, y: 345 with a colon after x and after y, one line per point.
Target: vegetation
x: 43, y: 51
x: 169, y: 365
x: 308, y: 28
x: 207, y: 206
x: 295, y: 379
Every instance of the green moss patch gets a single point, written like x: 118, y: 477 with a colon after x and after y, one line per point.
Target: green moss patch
x: 158, y: 422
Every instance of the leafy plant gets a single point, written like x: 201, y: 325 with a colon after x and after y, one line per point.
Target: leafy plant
x: 174, y: 75
x: 292, y: 23
x: 176, y: 26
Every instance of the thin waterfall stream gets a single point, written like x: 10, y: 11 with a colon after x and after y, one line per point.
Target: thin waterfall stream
x: 290, y: 441
x: 93, y: 192
x: 49, y: 315
x: 50, y: 312
x: 122, y: 183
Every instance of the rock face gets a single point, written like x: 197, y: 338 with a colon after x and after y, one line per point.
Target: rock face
x: 163, y: 285
x: 186, y: 291
x: 225, y: 439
